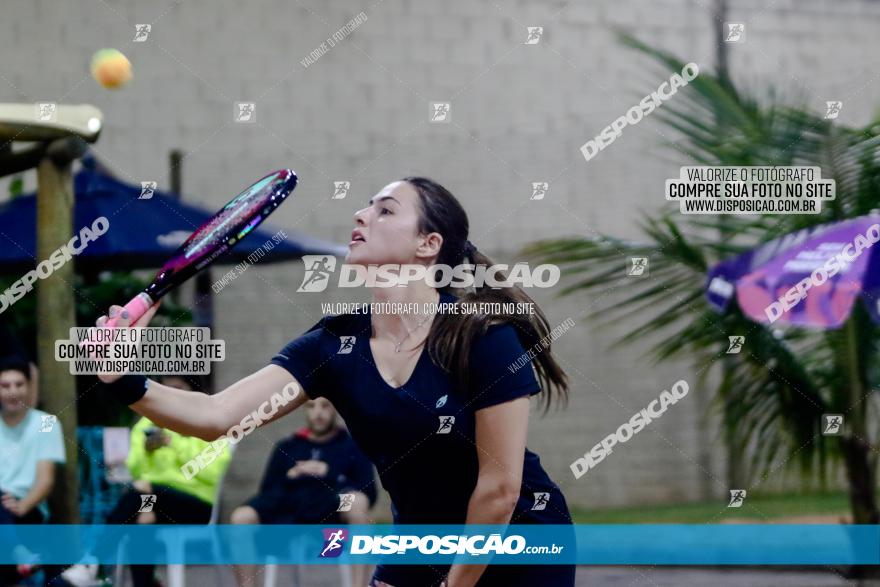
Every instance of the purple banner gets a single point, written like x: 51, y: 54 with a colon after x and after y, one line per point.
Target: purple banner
x: 809, y: 278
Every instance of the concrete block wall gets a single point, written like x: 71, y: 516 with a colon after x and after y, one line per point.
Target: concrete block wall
x: 360, y: 113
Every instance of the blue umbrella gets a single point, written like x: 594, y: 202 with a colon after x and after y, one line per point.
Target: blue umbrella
x: 143, y: 232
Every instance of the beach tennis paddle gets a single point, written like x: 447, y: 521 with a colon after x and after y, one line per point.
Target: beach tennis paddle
x: 213, y: 239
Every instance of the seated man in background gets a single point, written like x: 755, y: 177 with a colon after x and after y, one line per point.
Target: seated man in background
x: 305, y: 479
x: 161, y: 493
x: 31, y: 443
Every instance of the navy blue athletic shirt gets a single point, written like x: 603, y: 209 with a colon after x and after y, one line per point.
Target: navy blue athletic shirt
x: 420, y: 436
x: 307, y: 499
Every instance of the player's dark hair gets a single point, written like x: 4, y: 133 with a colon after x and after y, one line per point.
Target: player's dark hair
x: 15, y: 363
x: 452, y: 335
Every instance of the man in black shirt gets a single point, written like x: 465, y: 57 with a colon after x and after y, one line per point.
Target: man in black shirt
x: 316, y: 476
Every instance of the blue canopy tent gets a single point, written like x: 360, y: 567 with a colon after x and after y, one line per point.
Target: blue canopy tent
x: 143, y: 232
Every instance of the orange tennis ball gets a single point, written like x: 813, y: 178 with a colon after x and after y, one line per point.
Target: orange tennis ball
x: 111, y: 68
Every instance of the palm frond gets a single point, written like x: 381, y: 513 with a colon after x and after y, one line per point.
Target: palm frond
x: 772, y: 395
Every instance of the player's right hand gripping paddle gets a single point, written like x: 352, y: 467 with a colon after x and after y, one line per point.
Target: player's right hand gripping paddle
x: 214, y: 238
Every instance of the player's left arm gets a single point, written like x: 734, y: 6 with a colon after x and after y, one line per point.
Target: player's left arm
x: 501, y: 432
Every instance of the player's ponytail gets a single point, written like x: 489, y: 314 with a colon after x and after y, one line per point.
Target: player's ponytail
x: 452, y: 335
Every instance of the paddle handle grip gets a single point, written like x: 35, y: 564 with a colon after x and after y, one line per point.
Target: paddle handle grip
x: 136, y: 308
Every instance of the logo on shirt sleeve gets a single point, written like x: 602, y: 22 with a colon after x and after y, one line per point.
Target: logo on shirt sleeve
x: 441, y: 402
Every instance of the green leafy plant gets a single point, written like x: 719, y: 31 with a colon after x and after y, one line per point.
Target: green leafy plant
x: 771, y: 396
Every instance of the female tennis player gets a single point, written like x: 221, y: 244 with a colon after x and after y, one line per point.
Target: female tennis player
x: 434, y: 400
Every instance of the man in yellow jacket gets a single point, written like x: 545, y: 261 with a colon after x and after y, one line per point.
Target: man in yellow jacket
x: 161, y: 493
